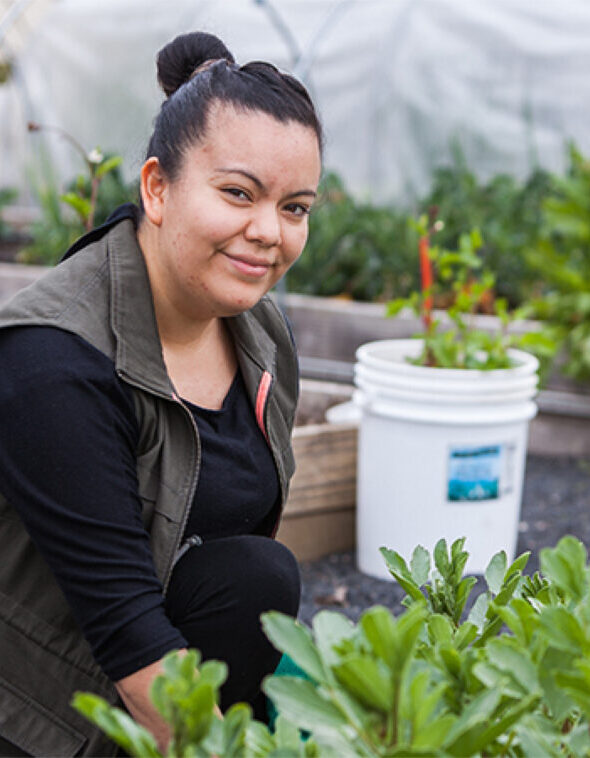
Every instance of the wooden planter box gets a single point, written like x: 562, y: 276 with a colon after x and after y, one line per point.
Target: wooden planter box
x: 320, y: 514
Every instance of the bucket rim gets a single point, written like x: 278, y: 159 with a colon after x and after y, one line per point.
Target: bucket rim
x: 368, y: 354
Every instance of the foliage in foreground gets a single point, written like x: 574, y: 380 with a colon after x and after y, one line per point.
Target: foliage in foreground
x: 511, y: 679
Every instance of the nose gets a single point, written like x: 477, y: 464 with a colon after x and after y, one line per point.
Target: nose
x: 264, y: 226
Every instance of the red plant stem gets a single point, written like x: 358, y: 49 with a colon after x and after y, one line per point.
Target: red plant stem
x: 426, y: 278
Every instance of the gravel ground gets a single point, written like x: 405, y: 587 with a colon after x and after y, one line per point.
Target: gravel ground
x: 556, y: 501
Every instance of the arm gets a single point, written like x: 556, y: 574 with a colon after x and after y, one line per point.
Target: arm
x: 134, y: 692
x: 68, y: 437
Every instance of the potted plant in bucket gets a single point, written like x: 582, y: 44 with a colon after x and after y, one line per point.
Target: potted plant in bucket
x: 444, y: 418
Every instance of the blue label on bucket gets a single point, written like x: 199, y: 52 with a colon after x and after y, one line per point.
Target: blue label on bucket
x: 474, y: 473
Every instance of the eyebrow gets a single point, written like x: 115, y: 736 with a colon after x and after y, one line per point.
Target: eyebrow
x: 261, y: 185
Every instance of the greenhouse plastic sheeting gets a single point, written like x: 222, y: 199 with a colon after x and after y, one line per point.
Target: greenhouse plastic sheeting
x: 398, y: 82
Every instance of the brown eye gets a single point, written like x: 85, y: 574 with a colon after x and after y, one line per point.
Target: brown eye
x: 298, y: 209
x: 236, y: 192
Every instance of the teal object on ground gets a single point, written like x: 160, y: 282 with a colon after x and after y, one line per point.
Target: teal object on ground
x: 286, y: 667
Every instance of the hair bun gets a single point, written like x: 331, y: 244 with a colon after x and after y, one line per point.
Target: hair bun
x: 178, y: 59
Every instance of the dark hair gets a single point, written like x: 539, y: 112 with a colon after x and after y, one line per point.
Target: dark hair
x: 197, y: 70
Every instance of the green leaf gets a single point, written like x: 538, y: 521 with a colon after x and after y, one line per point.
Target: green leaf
x: 462, y: 594
x: 558, y: 702
x: 565, y: 566
x: 259, y: 741
x: 117, y: 725
x: 441, y: 559
x: 81, y: 205
x: 420, y: 565
x: 213, y: 672
x: 478, y: 712
x: 451, y: 660
x: 495, y: 572
x: 299, y: 701
x: 330, y: 629
x: 398, y: 568
x: 513, y: 660
x: 367, y: 680
x: 477, y: 614
x: 475, y: 741
x: 440, y: 629
x: 379, y: 628
x: 519, y: 564
x: 465, y: 635
x: 287, y: 736
x: 291, y: 637
x: 563, y: 630
x: 108, y: 165
x: 435, y: 735
x: 235, y: 723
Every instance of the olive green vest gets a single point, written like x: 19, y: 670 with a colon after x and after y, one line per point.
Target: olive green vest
x: 102, y: 294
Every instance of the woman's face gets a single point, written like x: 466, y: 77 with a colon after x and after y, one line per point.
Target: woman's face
x: 235, y: 218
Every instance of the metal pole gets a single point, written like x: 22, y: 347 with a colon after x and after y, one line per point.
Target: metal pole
x: 11, y: 16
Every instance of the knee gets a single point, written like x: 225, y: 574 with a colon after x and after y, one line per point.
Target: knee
x: 271, y: 573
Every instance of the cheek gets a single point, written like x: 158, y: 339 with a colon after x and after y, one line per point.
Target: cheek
x: 295, y: 242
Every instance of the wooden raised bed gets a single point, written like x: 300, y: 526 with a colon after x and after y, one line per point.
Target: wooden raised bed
x: 320, y: 514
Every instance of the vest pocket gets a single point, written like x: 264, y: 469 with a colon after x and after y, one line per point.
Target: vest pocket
x: 32, y: 728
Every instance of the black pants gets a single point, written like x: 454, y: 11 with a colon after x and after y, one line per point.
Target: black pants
x: 216, y: 595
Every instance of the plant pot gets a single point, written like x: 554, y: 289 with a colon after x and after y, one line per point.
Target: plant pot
x: 441, y: 453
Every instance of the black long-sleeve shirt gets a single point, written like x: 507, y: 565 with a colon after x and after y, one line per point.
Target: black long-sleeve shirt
x: 68, y: 438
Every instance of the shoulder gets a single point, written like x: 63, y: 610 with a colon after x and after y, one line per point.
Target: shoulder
x: 73, y: 296
x: 37, y: 357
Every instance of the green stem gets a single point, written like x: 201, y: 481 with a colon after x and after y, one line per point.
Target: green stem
x: 93, y: 198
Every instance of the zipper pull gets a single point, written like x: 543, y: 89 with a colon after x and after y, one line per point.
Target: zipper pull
x: 193, y: 541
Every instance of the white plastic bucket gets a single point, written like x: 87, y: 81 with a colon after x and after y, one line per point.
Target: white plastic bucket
x: 441, y: 454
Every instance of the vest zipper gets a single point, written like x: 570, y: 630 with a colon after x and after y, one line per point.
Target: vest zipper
x: 193, y: 541
x: 178, y: 550
x: 195, y: 479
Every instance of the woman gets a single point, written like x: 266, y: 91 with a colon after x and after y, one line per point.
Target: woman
x: 146, y: 407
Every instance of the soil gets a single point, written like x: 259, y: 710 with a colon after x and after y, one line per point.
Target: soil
x: 556, y: 502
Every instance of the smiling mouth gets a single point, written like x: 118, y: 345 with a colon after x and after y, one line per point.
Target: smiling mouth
x: 249, y: 266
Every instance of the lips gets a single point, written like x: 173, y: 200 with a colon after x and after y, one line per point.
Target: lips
x: 249, y: 264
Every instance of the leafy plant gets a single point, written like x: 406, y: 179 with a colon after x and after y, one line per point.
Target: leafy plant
x: 356, y: 250
x: 562, y: 256
x: 510, y: 679
x: 89, y: 198
x: 507, y: 212
x: 185, y: 695
x: 7, y: 196
x: 460, y: 272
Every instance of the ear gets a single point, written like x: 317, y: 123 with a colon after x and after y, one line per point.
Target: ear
x: 153, y: 188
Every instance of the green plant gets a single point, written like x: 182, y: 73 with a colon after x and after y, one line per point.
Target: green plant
x: 185, y: 695
x: 7, y: 196
x: 507, y: 212
x: 460, y: 273
x: 562, y: 256
x: 90, y: 197
x: 512, y: 679
x: 355, y: 249
x: 509, y: 678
